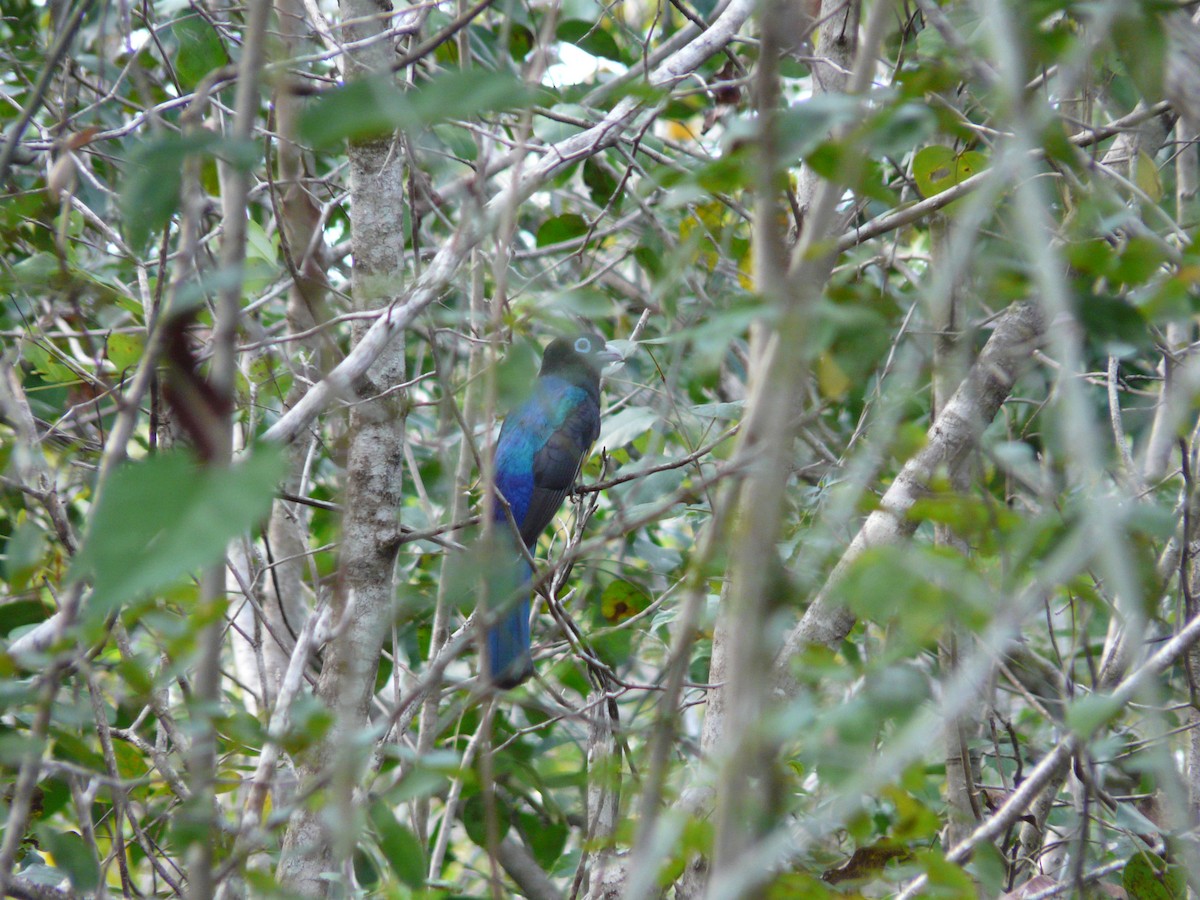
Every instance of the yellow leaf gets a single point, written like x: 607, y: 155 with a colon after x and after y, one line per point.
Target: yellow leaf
x: 1146, y: 177
x: 1188, y: 274
x: 746, y: 270
x: 703, y: 243
x: 679, y: 131
x: 832, y: 380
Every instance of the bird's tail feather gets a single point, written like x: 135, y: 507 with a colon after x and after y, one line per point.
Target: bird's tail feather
x: 510, y: 661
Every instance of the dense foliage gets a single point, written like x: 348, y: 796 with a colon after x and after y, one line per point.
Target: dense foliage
x: 817, y: 621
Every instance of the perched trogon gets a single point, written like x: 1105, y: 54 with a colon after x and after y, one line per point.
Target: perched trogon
x: 541, y: 447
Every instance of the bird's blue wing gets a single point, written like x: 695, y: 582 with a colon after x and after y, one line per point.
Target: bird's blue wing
x: 556, y: 464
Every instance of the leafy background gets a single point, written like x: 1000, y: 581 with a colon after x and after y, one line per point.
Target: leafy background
x: 803, y: 243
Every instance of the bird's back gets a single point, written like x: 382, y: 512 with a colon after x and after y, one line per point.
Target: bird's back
x: 541, y: 447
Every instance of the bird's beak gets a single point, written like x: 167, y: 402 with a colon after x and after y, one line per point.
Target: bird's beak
x: 610, y: 354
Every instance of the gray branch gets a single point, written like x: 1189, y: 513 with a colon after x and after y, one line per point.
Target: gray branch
x: 956, y: 431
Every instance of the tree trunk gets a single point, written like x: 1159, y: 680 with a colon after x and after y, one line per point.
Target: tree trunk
x: 320, y: 844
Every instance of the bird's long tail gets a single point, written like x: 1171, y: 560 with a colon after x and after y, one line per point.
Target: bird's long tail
x: 508, y: 641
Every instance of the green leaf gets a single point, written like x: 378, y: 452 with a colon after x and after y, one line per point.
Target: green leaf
x: 377, y: 106
x: 930, y: 43
x: 1147, y: 877
x: 403, y: 851
x: 259, y: 245
x: 418, y: 782
x: 730, y: 411
x: 463, y: 94
x: 1109, y: 319
x: 561, y: 228
x: 19, y: 613
x: 160, y: 519
x: 601, y: 183
x: 917, y: 590
x: 362, y: 109
x: 23, y: 553
x: 45, y: 363
x: 898, y: 130
x: 458, y: 140
x: 545, y: 837
x: 796, y: 884
x: 154, y: 176
x: 520, y: 40
x: 124, y: 350
x: 35, y: 270
x: 938, y: 168
x: 990, y: 867
x: 625, y: 426
x: 553, y: 130
x: 591, y: 37
x: 1090, y: 712
x: 200, y: 50
x: 1095, y: 257
x: 731, y: 172
x: 1139, y: 259
x: 474, y: 818
x: 807, y: 125
x: 896, y: 691
x: 1143, y: 47
x: 311, y: 721
x: 365, y: 870
x: 621, y: 600
x: 73, y: 856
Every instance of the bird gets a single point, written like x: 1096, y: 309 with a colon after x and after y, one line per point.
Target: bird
x: 541, y: 448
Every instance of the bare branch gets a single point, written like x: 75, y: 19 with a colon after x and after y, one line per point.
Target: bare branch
x: 952, y: 436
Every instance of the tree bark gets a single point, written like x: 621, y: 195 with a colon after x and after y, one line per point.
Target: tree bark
x: 945, y: 309
x: 605, y: 880
x: 319, y: 844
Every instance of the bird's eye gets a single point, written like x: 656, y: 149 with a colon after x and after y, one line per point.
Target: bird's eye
x: 583, y: 345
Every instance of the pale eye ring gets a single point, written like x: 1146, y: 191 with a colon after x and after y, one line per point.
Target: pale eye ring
x: 583, y: 345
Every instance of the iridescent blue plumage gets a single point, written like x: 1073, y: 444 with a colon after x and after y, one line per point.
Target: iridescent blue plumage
x: 542, y: 445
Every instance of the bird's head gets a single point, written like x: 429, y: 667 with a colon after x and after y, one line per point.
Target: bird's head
x: 585, y: 354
